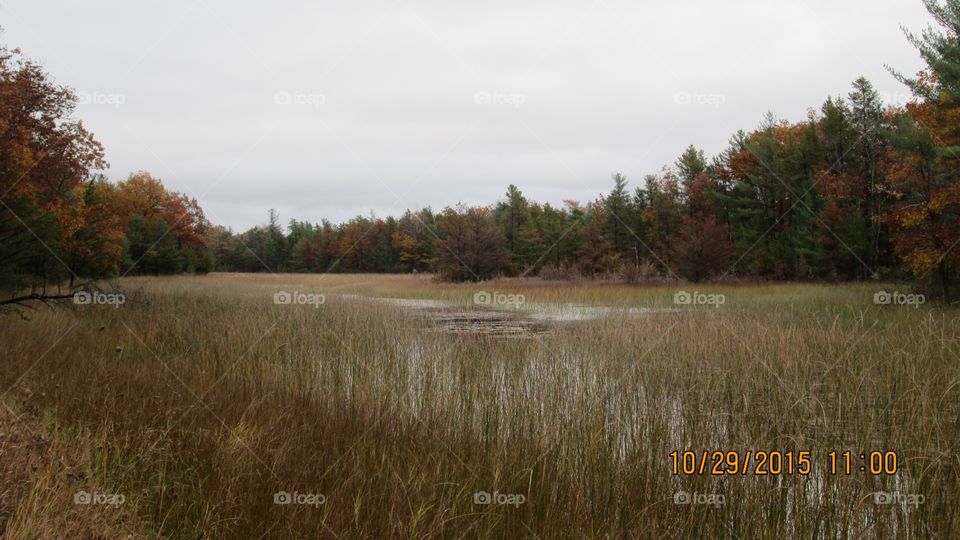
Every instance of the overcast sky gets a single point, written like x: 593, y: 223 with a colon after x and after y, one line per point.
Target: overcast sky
x: 333, y: 109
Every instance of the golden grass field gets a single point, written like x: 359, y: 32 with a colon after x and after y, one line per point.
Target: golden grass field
x: 196, y: 406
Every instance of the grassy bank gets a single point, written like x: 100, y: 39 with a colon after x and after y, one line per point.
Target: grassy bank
x: 200, y: 400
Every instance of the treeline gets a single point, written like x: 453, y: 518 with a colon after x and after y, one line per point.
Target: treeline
x: 857, y: 190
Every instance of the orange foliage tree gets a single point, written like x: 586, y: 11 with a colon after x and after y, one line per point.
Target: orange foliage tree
x: 54, y: 216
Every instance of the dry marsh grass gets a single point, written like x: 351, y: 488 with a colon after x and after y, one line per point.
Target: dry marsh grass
x: 200, y: 399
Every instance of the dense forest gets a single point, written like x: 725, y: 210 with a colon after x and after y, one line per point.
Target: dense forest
x: 857, y: 190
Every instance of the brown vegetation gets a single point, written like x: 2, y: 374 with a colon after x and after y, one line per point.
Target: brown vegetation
x: 205, y: 399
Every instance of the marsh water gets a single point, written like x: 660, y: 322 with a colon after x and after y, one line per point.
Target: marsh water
x: 514, y: 320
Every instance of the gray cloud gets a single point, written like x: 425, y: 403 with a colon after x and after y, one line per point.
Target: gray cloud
x: 334, y: 109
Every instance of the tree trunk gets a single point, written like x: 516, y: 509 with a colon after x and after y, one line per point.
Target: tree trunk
x: 945, y: 281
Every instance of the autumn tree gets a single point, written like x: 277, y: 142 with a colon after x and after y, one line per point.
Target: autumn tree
x: 46, y: 191
x: 470, y: 245
x: 165, y: 231
x: 701, y: 249
x: 924, y: 169
x: 662, y: 215
x: 771, y: 204
x: 94, y: 246
x: 413, y: 240
x: 597, y: 253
